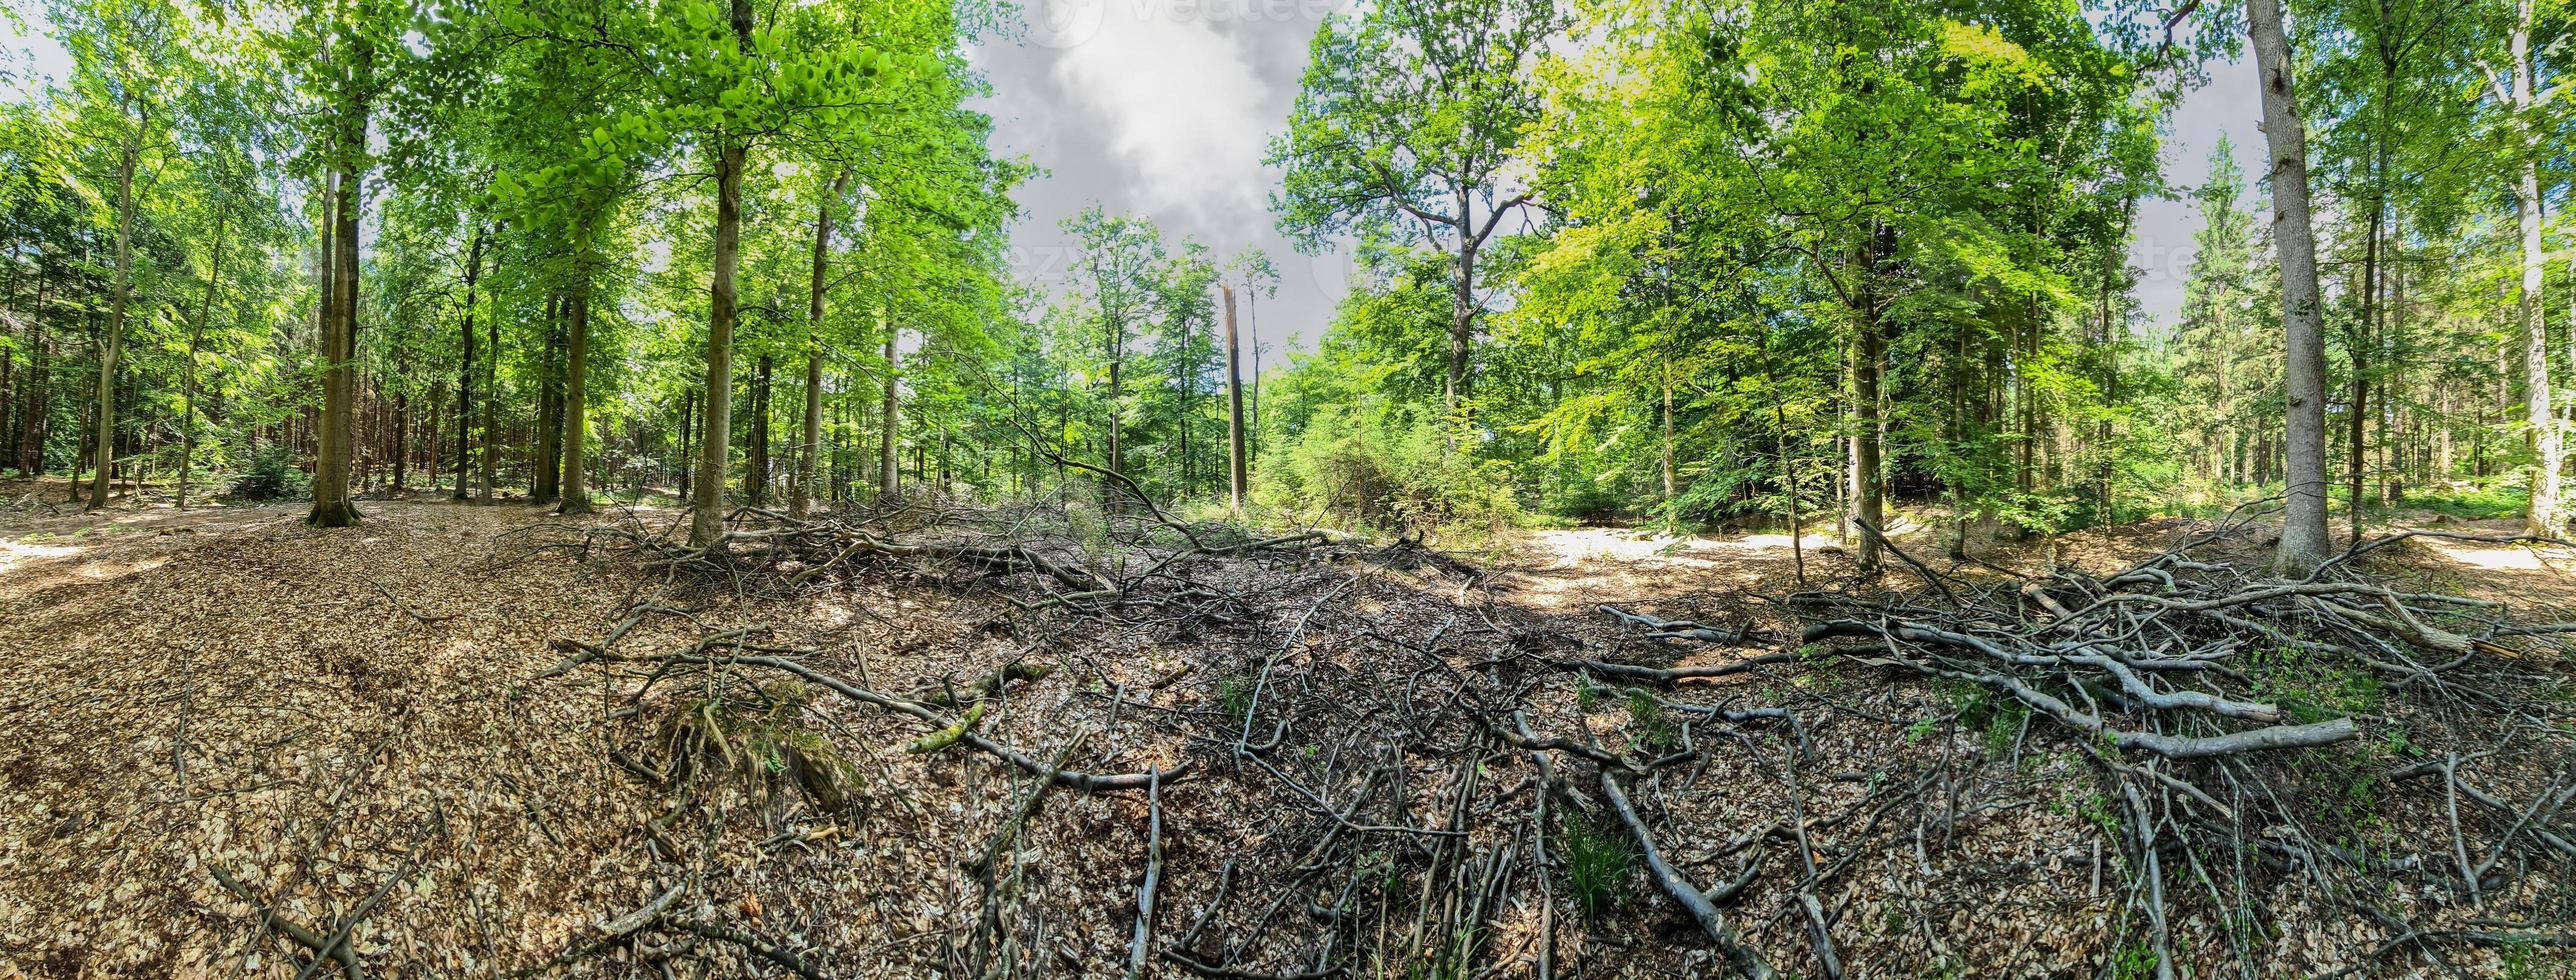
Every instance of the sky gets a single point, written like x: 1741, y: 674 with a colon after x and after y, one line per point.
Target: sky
x: 1165, y: 108
x: 2161, y: 252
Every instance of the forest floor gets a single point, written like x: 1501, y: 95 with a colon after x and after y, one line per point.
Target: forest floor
x: 487, y: 741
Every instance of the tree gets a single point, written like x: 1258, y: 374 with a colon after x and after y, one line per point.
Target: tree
x: 1405, y: 121
x: 1117, y: 259
x: 2518, y: 100
x: 2303, y: 529
x: 125, y: 53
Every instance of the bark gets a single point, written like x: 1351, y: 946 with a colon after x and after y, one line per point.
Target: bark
x: 491, y: 461
x: 809, y: 443
x: 401, y: 445
x: 2356, y: 462
x: 688, y: 438
x: 196, y: 337
x: 576, y: 404
x: 2303, y: 532
x: 31, y: 404
x: 1462, y: 322
x: 1668, y: 429
x: 706, y: 497
x: 1237, y: 466
x: 2543, y: 518
x: 1117, y: 458
x: 1868, y: 352
x: 112, y: 347
x: 889, y: 465
x: 1252, y: 326
x: 546, y: 485
x: 755, y: 472
x: 331, y: 504
x: 465, y: 371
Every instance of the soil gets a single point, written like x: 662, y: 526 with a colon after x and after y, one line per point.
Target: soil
x: 358, y: 721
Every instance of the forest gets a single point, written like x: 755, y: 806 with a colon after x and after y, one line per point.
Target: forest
x: 526, y: 488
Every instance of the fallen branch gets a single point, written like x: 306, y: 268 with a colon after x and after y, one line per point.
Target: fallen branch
x: 1739, y: 957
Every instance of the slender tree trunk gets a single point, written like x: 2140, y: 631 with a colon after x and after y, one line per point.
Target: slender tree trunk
x: 196, y: 337
x: 706, y: 525
x: 112, y: 347
x: 2303, y: 531
x: 576, y: 402
x: 490, y: 465
x: 1669, y: 490
x: 2543, y: 518
x: 1238, y: 467
x: 545, y: 485
x: 688, y: 440
x: 755, y: 471
x: 1462, y: 324
x: 1252, y: 325
x: 32, y: 406
x: 1868, y: 351
x: 706, y: 520
x: 1117, y: 459
x: 465, y: 371
x: 810, y: 441
x: 889, y: 464
x: 331, y: 503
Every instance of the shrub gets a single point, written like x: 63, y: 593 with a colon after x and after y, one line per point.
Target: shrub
x: 1390, y: 470
x: 271, y: 474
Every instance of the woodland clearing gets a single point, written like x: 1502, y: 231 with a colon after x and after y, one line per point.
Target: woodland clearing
x: 485, y: 741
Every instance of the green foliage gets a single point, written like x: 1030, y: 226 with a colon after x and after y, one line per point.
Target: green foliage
x: 1651, y: 728
x: 1387, y: 468
x: 272, y: 472
x: 1235, y: 695
x: 2486, y: 501
x: 2310, y: 688
x: 1599, y: 860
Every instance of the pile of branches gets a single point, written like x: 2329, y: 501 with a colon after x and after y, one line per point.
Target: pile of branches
x: 2196, y: 686
x: 1386, y: 766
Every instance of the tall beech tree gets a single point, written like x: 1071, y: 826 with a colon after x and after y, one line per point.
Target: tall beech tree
x: 1405, y: 122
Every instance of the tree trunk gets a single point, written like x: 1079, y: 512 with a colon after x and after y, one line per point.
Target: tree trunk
x: 889, y: 465
x: 491, y: 455
x: 755, y: 471
x: 32, y: 406
x: 2356, y: 465
x: 706, y: 497
x: 465, y: 371
x: 196, y: 337
x: 112, y: 347
x: 688, y: 439
x: 576, y: 403
x: 1238, y: 468
x: 2543, y: 519
x: 2303, y: 531
x: 331, y: 504
x: 1868, y: 351
x: 1668, y: 432
x: 1462, y: 324
x: 1117, y: 458
x: 809, y: 443
x: 545, y: 485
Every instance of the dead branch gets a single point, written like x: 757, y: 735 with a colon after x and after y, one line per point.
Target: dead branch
x: 1739, y: 957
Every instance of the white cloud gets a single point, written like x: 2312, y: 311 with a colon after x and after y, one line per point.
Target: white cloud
x: 1180, y: 104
